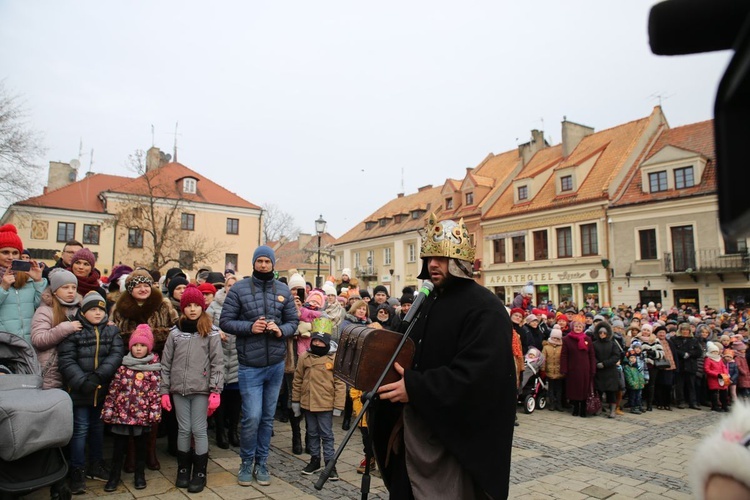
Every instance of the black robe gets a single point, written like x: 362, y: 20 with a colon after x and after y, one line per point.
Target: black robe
x: 462, y: 384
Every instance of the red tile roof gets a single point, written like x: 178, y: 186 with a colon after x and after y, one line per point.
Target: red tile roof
x: 80, y: 196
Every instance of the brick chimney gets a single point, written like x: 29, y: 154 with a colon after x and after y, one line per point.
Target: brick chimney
x: 60, y: 175
x: 572, y: 135
x: 528, y: 150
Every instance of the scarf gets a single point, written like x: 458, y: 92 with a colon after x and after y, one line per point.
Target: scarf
x: 148, y: 363
x: 88, y: 284
x: 581, y: 338
x: 75, y: 302
x: 668, y: 353
x: 188, y: 325
x: 263, y: 276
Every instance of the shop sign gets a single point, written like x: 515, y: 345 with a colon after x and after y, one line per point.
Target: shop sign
x: 523, y: 278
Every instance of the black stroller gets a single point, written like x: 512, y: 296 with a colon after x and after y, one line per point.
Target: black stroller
x: 34, y: 425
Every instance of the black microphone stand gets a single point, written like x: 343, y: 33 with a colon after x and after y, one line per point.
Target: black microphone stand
x: 366, y: 400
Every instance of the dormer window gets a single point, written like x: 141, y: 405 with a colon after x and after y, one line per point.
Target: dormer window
x: 469, y: 198
x: 397, y: 219
x: 449, y: 203
x: 416, y: 214
x: 523, y: 193
x: 657, y: 181
x: 566, y: 183
x: 369, y: 224
x: 188, y: 185
x: 382, y: 222
x: 684, y: 178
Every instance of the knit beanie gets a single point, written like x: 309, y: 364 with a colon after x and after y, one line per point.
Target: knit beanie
x: 59, y: 277
x: 329, y: 289
x: 142, y: 335
x: 174, y: 283
x: 296, y: 281
x: 118, y: 271
x: 9, y: 237
x: 346, y: 272
x: 192, y: 295
x: 517, y: 310
x: 378, y: 289
x: 264, y: 251
x: 319, y: 295
x: 407, y: 298
x: 137, y: 277
x: 323, y: 337
x: 85, y: 254
x: 91, y: 300
x: 555, y: 336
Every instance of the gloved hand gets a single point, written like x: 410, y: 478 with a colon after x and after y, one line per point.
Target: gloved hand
x: 296, y: 409
x: 687, y: 355
x: 166, y: 404
x: 214, y: 400
x: 600, y: 365
x: 336, y: 412
x: 94, y: 379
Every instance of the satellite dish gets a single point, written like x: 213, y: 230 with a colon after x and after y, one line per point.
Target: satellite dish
x: 75, y: 164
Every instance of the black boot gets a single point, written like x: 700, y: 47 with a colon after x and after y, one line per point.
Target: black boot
x: 184, y: 466
x: 583, y: 409
x: 129, y: 466
x: 198, y: 481
x: 139, y: 478
x: 296, y: 435
x: 221, y: 435
x: 118, y: 458
x: 232, y: 410
x: 576, y: 408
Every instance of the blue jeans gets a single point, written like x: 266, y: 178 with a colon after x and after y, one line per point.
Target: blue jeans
x: 87, y: 425
x: 259, y: 388
x: 319, y: 424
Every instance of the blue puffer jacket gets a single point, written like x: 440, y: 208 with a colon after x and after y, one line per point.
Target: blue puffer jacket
x: 17, y: 307
x: 246, y: 302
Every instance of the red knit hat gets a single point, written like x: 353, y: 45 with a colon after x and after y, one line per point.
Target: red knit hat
x: 142, y: 335
x: 9, y: 237
x: 84, y: 254
x: 518, y: 310
x: 192, y: 295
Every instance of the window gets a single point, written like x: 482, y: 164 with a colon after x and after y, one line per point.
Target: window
x: 566, y: 183
x: 233, y: 226
x: 186, y: 259
x: 523, y: 193
x: 449, y: 203
x: 735, y: 246
x: 91, y: 234
x: 498, y: 251
x: 66, y: 231
x: 135, y: 237
x: 397, y: 219
x: 540, y: 245
x: 370, y: 257
x: 647, y: 239
x: 657, y: 181
x: 589, y: 241
x: 416, y: 214
x: 188, y: 186
x: 383, y: 222
x: 564, y: 242
x: 412, y: 252
x: 357, y: 260
x: 387, y: 256
x: 231, y: 261
x: 683, y: 178
x: 519, y: 248
x: 369, y: 224
x: 683, y: 247
x: 137, y: 212
x: 469, y: 198
x: 187, y: 222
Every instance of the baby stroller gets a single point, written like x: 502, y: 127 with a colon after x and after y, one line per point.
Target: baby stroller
x: 34, y: 424
x: 533, y: 392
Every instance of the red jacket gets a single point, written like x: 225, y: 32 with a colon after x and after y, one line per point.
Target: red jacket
x: 713, y: 369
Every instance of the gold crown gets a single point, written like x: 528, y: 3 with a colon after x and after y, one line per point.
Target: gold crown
x: 446, y: 239
x: 322, y: 325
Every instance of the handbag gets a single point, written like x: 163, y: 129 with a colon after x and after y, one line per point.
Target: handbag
x: 661, y: 363
x: 593, y: 403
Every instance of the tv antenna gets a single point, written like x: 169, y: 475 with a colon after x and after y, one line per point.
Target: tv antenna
x: 660, y: 96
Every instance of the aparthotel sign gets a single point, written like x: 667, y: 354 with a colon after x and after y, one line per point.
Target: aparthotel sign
x: 542, y: 277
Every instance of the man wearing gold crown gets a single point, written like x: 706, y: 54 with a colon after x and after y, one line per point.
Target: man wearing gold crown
x: 445, y: 429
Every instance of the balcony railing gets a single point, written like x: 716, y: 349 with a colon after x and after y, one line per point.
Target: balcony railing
x: 708, y: 260
x: 366, y: 271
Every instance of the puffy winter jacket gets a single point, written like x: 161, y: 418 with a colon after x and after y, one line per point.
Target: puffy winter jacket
x: 249, y: 300
x: 689, y: 346
x: 133, y: 397
x: 314, y: 385
x: 96, y: 349
x: 228, y: 343
x: 192, y: 364
x: 17, y: 307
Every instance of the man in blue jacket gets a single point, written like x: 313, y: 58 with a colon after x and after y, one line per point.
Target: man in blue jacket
x: 260, y: 311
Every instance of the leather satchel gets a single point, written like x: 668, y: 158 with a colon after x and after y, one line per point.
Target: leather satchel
x: 593, y: 403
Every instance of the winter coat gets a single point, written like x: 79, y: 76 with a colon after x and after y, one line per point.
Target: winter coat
x: 634, y: 377
x: 551, y: 365
x: 228, y: 343
x: 608, y: 353
x: 578, y: 367
x: 743, y: 381
x: 713, y: 369
x: 96, y: 349
x: 192, y: 364
x: 156, y: 311
x: 691, y: 346
x: 45, y: 337
x: 133, y: 397
x: 246, y: 302
x: 531, y: 337
x: 734, y: 372
x: 314, y: 386
x: 17, y: 306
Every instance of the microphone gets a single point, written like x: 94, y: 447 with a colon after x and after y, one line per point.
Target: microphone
x: 424, y: 292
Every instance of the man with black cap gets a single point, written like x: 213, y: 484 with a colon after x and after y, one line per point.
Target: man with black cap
x: 456, y: 441
x: 379, y: 296
x: 260, y: 312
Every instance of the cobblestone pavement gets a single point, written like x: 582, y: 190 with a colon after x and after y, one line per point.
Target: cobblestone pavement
x: 555, y: 455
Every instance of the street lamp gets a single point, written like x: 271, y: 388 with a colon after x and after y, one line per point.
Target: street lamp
x: 320, y: 228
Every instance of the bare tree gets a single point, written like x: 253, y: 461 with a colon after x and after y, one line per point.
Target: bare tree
x: 20, y: 149
x: 155, y: 210
x: 278, y: 224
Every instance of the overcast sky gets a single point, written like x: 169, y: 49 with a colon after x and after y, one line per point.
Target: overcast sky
x: 331, y: 107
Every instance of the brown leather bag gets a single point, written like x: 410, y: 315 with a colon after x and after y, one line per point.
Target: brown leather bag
x: 363, y: 353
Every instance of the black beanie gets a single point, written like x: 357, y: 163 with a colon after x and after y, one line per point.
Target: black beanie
x: 175, y: 282
x: 378, y: 289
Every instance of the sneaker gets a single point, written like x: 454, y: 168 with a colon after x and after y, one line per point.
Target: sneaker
x: 78, y: 481
x: 312, y: 467
x: 98, y: 471
x: 261, y: 475
x: 363, y: 464
x: 245, y: 475
x: 333, y: 476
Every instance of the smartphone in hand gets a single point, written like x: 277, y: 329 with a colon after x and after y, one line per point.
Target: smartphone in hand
x: 20, y: 265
